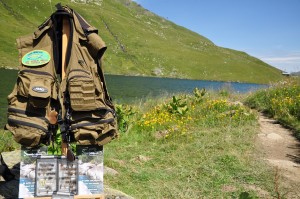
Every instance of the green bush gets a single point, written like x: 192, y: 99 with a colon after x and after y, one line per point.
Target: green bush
x: 124, y: 115
x: 281, y: 101
x: 177, y: 115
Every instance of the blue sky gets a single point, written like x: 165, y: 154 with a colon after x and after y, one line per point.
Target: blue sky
x: 266, y: 29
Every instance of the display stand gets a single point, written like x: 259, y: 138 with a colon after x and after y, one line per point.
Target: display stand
x: 95, y: 196
x: 89, y: 173
x: 39, y: 170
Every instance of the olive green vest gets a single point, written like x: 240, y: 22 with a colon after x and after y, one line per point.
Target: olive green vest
x: 41, y: 101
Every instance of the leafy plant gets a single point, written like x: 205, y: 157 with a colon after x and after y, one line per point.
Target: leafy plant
x: 124, y: 114
x: 55, y: 147
x: 177, y: 106
x: 199, y: 94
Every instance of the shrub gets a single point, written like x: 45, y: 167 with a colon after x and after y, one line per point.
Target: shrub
x: 281, y: 101
x: 184, y: 112
x: 124, y: 114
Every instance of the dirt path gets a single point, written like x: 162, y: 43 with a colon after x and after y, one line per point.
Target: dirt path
x: 282, y: 151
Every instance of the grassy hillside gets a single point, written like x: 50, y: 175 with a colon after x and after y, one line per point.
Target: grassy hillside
x: 139, y: 42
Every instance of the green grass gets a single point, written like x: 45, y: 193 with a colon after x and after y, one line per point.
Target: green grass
x: 201, y: 166
x: 194, y: 154
x: 186, y: 146
x: 149, y: 42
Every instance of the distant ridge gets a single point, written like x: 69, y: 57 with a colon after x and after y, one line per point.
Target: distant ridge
x: 139, y: 42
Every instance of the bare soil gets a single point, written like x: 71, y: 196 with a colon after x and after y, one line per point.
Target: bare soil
x: 282, y: 151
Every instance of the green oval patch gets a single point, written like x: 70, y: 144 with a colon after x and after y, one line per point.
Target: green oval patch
x: 36, y: 58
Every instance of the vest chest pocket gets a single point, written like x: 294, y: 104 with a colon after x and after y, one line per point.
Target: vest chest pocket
x: 81, y: 88
x: 37, y: 86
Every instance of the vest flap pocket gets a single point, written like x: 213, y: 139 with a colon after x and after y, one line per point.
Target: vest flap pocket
x: 34, y: 83
x: 94, y: 127
x: 39, y: 92
x: 26, y: 135
x: 96, y: 44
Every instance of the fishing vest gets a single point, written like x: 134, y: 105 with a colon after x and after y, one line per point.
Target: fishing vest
x: 43, y: 102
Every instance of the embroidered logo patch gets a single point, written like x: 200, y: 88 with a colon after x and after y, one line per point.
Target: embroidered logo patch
x: 39, y: 89
x: 36, y: 58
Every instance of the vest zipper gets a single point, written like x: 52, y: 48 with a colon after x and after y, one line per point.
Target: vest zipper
x: 37, y: 73
x: 80, y: 70
x: 22, y: 112
x: 13, y: 122
x: 75, y: 126
x: 80, y: 76
x: 107, y: 110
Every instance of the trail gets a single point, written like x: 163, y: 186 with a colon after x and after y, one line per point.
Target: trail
x: 282, y: 151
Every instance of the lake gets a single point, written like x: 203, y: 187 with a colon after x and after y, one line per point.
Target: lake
x: 129, y: 88
x: 125, y: 89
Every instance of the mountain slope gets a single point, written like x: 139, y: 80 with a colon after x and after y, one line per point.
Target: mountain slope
x: 139, y: 42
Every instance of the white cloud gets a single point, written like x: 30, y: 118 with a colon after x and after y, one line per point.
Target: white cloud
x: 291, y: 59
x: 289, y: 62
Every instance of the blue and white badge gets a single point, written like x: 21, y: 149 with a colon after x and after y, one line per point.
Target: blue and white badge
x: 36, y: 58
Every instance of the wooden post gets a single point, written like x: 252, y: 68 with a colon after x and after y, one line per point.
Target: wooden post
x: 65, y: 40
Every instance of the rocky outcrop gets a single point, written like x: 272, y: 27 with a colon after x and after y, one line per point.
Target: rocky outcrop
x: 10, y: 189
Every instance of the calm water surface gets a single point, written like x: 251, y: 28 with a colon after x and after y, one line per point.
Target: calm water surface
x: 128, y: 87
x: 125, y: 89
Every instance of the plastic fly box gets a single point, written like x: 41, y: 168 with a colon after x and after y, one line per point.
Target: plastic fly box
x: 56, y: 175
x: 67, y: 176
x: 46, y: 176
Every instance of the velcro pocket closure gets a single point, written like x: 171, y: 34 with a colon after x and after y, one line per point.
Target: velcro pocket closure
x: 82, y: 92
